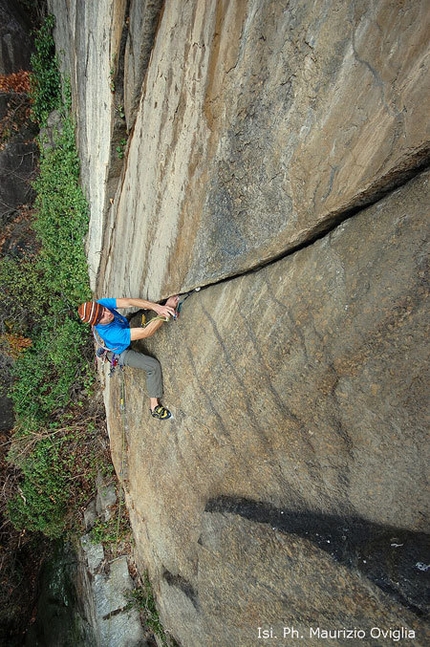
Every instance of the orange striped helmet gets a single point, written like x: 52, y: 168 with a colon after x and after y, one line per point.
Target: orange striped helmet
x: 90, y: 312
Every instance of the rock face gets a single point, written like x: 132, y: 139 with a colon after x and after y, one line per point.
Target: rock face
x: 262, y: 127
x: 16, y: 45
x: 112, y: 623
x: 18, y: 152
x: 18, y: 161
x: 83, y: 598
x: 278, y: 159
x: 299, y: 428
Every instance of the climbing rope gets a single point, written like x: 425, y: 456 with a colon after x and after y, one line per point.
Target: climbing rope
x: 123, y: 476
x: 102, y: 353
x: 122, y: 408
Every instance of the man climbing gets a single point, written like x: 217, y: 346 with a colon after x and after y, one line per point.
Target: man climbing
x: 114, y: 329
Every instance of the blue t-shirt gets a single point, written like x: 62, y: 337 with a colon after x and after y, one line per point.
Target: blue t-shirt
x: 116, y: 335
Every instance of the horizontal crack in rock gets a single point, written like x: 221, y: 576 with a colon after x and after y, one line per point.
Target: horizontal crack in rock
x: 384, y: 187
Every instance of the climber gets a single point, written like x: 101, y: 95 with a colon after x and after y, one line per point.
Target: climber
x: 117, y: 335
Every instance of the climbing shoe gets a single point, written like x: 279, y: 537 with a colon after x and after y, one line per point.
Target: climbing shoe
x: 161, y: 413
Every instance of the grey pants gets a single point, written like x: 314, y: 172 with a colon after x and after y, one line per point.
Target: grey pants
x: 151, y: 366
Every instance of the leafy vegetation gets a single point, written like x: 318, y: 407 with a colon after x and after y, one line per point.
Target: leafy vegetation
x: 46, y: 78
x: 121, y: 148
x: 56, y: 451
x: 113, y: 532
x: 54, y: 448
x: 142, y: 599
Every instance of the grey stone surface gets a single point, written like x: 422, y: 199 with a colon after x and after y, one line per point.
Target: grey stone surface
x: 94, y: 553
x: 90, y: 515
x: 7, y: 417
x: 60, y: 620
x: 142, y: 22
x: 54, y: 127
x: 242, y: 598
x: 106, y: 498
x: 18, y: 160
x: 290, y: 488
x: 259, y: 126
x: 296, y: 390
x: 16, y: 45
x: 117, y: 627
x: 103, y: 598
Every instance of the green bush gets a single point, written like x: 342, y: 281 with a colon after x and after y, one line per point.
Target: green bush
x: 41, y: 503
x: 57, y: 361
x: 46, y: 79
x: 53, y: 437
x: 47, y: 372
x: 62, y: 220
x: 23, y: 296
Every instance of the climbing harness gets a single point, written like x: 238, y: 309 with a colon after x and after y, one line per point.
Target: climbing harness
x: 103, y: 353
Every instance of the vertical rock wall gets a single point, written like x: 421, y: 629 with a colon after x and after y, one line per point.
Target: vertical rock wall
x: 16, y: 44
x: 260, y: 126
x: 278, y: 158
x: 290, y: 489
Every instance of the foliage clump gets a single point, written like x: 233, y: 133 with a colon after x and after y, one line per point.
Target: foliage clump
x: 54, y: 448
x: 45, y: 79
x: 142, y: 598
x: 15, y: 89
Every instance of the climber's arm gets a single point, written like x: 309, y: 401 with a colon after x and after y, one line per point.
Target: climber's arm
x: 165, y: 311
x: 150, y: 328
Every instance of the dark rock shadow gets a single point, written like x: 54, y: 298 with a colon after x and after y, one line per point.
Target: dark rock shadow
x: 396, y: 560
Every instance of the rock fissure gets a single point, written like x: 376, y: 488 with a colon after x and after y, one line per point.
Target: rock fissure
x: 395, y: 183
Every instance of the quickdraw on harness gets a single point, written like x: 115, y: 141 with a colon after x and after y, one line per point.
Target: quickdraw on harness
x: 102, y: 354
x: 144, y: 323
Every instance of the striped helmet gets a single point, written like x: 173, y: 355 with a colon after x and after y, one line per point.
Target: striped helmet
x: 90, y: 312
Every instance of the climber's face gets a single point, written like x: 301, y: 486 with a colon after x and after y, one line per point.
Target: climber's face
x: 107, y: 317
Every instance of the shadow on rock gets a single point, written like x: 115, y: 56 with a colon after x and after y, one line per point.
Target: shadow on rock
x: 396, y: 560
